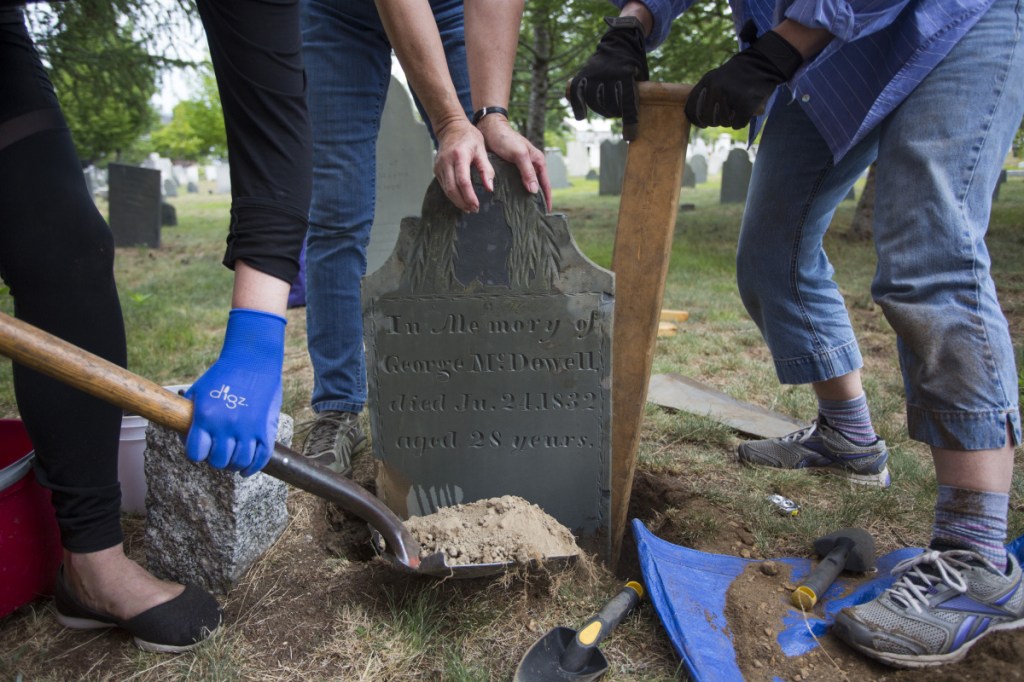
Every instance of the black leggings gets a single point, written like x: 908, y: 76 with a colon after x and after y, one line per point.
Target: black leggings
x: 57, y: 257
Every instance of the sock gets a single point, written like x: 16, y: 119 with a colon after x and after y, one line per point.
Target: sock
x: 850, y: 418
x: 971, y: 520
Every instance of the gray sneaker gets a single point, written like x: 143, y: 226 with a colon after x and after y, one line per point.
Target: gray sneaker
x: 819, y: 447
x: 334, y: 438
x: 939, y: 606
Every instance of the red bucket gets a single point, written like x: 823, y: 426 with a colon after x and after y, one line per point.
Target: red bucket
x: 30, y: 549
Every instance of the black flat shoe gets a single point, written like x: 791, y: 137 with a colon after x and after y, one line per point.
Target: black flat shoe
x: 170, y: 628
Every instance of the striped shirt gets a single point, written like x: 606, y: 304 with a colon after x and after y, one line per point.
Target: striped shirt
x: 881, y: 51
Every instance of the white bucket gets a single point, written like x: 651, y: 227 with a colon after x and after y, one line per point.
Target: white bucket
x: 131, y: 472
x: 131, y: 459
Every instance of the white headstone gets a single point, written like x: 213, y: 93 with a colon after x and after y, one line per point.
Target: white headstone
x: 223, y: 179
x: 577, y: 158
x: 557, y: 173
x: 405, y: 167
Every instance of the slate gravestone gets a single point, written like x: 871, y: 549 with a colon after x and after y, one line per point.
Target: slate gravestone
x: 192, y: 187
x: 558, y: 176
x: 689, y: 177
x: 488, y: 340
x: 591, y: 174
x: 170, y: 187
x: 613, y: 167
x: 168, y: 215
x: 736, y: 172
x: 405, y: 166
x: 699, y: 164
x: 999, y: 183
x: 135, y: 200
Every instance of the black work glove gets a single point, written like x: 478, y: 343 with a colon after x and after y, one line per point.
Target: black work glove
x: 734, y: 92
x: 607, y: 81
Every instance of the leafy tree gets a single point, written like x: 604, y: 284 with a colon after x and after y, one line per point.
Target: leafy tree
x: 104, y: 58
x: 197, y: 127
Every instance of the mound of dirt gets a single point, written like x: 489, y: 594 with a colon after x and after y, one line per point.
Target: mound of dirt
x: 498, y: 530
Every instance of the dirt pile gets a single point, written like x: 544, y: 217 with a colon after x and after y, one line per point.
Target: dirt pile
x: 498, y: 530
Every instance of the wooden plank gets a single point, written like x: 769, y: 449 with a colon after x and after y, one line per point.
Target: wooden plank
x: 643, y: 242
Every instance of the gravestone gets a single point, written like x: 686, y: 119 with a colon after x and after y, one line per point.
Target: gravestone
x: 577, y: 158
x: 999, y: 183
x: 224, y: 179
x: 613, y: 167
x: 170, y: 187
x: 558, y: 176
x: 192, y: 188
x: 168, y: 215
x: 591, y: 174
x: 405, y: 166
x: 488, y: 340
x: 699, y: 164
x: 135, y: 200
x: 736, y: 172
x: 689, y: 177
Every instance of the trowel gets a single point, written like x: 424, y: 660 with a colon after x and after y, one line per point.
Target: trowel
x: 567, y: 654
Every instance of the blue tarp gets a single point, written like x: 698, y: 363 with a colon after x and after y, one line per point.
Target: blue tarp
x: 688, y: 591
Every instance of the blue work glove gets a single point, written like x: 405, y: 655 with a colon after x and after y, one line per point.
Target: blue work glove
x: 238, y: 400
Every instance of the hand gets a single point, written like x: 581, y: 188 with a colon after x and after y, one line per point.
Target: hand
x: 460, y: 148
x: 735, y: 92
x: 607, y: 81
x: 238, y: 400
x: 514, y: 148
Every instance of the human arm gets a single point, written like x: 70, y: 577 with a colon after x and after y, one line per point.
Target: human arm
x: 411, y: 27
x: 255, y: 48
x: 492, y: 33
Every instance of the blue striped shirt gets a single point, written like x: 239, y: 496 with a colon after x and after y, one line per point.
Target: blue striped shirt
x: 881, y: 51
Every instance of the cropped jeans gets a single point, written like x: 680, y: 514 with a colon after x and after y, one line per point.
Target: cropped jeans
x: 348, y: 63
x: 938, y: 155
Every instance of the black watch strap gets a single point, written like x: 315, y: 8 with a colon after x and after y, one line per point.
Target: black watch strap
x: 486, y: 111
x: 624, y: 22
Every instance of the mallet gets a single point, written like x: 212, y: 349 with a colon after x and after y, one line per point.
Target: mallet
x: 847, y: 549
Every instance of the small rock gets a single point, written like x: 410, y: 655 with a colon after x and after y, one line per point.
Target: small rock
x: 769, y: 568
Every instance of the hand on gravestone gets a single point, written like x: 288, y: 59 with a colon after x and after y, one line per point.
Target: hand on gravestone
x: 735, y: 92
x: 460, y: 148
x: 506, y: 143
x: 238, y: 399
x: 607, y: 81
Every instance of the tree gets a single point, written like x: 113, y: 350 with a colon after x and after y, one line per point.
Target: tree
x: 197, y: 127
x: 104, y: 60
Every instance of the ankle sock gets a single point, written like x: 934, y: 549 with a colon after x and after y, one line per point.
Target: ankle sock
x: 971, y: 520
x: 850, y: 418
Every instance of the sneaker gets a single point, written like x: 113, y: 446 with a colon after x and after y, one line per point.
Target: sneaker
x: 936, y: 610
x: 822, y: 448
x: 334, y: 438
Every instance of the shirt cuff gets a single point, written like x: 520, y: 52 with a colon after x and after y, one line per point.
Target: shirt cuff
x: 835, y: 17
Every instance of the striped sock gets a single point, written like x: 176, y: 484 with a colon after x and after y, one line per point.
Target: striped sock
x: 850, y: 418
x: 971, y: 520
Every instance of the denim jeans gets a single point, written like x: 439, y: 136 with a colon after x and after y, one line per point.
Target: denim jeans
x: 939, y: 155
x: 348, y: 64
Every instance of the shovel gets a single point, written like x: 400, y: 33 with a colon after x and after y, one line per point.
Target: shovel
x: 567, y: 654
x: 45, y: 353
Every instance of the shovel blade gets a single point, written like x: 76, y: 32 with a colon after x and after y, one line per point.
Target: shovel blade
x: 543, y: 660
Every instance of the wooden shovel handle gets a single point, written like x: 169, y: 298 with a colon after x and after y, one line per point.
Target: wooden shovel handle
x: 47, y: 354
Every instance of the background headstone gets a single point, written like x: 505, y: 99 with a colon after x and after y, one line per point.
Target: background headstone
x: 613, y: 167
x: 736, y: 177
x: 168, y: 215
x: 170, y: 187
x: 223, y: 179
x: 689, y: 178
x: 135, y: 205
x: 577, y: 158
x: 488, y: 340
x: 591, y: 174
x: 405, y: 166
x: 558, y: 176
x: 203, y: 525
x: 192, y: 187
x: 699, y: 164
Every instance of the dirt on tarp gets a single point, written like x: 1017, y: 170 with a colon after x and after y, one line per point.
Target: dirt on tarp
x: 504, y: 529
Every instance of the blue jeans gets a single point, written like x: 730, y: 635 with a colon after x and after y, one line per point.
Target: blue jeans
x: 939, y: 155
x: 348, y: 64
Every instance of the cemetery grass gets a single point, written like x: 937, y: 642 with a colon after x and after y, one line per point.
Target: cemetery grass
x: 317, y: 606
